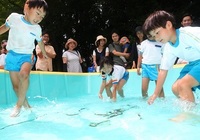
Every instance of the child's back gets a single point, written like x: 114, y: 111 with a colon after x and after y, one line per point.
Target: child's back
x: 151, y: 52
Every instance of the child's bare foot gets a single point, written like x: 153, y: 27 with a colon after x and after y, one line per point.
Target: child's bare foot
x: 144, y: 95
x: 15, y: 112
x: 114, y: 99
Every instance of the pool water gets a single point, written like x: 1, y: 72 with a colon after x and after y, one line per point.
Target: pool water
x: 88, y: 118
x: 67, y: 107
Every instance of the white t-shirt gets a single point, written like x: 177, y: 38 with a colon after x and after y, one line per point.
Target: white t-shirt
x: 117, y: 74
x: 186, y: 47
x: 22, y: 34
x: 151, y: 52
x: 73, y: 61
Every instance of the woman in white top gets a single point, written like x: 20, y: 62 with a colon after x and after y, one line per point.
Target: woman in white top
x: 100, y: 52
x: 71, y: 58
x: 2, y: 57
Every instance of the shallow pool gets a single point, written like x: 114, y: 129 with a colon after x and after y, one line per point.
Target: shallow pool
x: 74, y: 112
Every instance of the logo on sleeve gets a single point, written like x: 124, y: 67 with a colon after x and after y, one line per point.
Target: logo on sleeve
x: 158, y: 46
x: 32, y: 34
x: 188, y: 48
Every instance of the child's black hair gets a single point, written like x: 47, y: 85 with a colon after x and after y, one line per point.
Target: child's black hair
x: 106, y: 60
x: 185, y: 15
x: 115, y: 31
x: 156, y: 20
x: 138, y: 29
x: 38, y: 4
x: 45, y: 32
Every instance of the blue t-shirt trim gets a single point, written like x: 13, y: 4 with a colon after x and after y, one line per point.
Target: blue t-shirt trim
x: 25, y: 21
x: 177, y: 39
x: 7, y: 25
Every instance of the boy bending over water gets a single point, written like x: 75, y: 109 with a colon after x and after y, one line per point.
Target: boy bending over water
x: 23, y: 31
x: 183, y: 43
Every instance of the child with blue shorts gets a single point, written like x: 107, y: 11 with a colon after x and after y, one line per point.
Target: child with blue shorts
x: 149, y: 59
x: 23, y: 31
x: 183, y: 43
x: 119, y: 77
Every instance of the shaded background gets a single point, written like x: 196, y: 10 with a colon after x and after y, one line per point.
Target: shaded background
x: 83, y: 20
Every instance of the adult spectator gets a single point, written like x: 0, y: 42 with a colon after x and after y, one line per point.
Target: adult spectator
x: 186, y: 20
x: 71, y: 58
x: 3, y: 44
x: 99, y: 52
x: 42, y: 63
x: 139, y: 37
x: 2, y: 57
x: 116, y: 50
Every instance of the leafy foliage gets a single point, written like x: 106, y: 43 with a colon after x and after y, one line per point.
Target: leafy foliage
x: 83, y: 20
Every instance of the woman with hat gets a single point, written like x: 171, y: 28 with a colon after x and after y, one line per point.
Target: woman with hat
x: 100, y: 51
x: 71, y: 58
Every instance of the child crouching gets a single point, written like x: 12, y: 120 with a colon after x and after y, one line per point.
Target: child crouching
x: 119, y: 77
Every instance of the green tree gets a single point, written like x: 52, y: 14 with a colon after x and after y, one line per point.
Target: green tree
x: 83, y: 20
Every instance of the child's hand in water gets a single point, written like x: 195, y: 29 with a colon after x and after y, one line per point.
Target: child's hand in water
x: 100, y: 96
x: 151, y: 99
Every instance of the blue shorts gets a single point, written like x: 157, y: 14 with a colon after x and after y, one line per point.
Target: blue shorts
x: 126, y: 76
x: 14, y: 60
x: 193, y: 69
x: 150, y: 71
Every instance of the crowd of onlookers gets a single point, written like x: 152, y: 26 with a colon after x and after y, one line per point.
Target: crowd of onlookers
x: 121, y: 50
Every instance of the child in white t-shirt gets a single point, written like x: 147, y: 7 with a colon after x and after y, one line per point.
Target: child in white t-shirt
x: 119, y: 77
x: 149, y: 59
x: 23, y: 29
x: 182, y: 43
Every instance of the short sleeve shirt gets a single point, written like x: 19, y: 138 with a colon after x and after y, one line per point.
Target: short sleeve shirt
x: 186, y: 47
x: 43, y: 63
x: 117, y: 74
x: 22, y: 34
x: 151, y: 52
